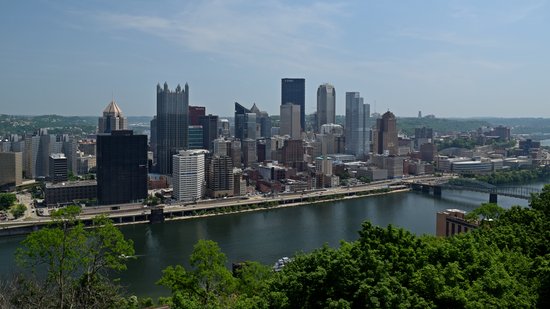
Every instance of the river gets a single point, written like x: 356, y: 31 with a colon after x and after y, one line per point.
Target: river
x: 265, y: 236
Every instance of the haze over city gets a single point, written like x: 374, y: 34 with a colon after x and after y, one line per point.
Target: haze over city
x: 448, y: 58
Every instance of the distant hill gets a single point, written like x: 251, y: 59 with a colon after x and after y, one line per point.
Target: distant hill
x: 82, y: 125
x: 75, y: 125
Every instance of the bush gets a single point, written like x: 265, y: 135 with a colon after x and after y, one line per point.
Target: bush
x: 18, y: 210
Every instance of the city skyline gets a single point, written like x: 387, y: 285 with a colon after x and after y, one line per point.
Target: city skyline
x: 451, y: 59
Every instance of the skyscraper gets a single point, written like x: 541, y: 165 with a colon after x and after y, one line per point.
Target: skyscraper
x: 194, y: 113
x: 172, y: 124
x: 326, y: 105
x: 121, y: 167
x: 209, y: 125
x: 188, y: 176
x: 112, y: 119
x: 290, y: 121
x: 384, y: 136
x: 358, y: 125
x: 293, y: 90
x: 220, y: 176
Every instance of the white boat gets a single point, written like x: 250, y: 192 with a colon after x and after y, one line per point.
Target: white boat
x: 281, y: 263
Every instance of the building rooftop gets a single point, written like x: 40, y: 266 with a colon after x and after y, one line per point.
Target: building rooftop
x: 112, y: 110
x: 68, y: 184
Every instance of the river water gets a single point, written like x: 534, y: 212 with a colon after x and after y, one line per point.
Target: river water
x: 266, y: 236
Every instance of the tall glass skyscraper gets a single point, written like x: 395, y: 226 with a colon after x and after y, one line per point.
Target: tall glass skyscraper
x: 358, y: 124
x: 172, y: 124
x: 326, y: 105
x: 293, y: 90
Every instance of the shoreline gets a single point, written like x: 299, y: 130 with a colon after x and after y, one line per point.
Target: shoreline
x: 298, y: 204
x: 215, y: 209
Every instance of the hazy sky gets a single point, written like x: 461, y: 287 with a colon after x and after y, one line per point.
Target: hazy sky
x: 448, y: 58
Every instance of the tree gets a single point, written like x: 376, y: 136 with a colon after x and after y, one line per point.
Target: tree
x: 7, y: 199
x: 207, y: 284
x: 76, y: 260
x: 18, y: 210
x: 487, y: 212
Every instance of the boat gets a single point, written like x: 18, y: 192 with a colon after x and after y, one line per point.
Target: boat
x: 281, y: 263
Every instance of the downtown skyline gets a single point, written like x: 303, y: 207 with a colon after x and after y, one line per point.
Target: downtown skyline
x: 451, y: 59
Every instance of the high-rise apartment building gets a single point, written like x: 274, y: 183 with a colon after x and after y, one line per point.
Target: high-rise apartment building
x: 293, y: 90
x: 172, y: 124
x: 290, y: 121
x: 121, y: 167
x: 326, y: 105
x: 188, y: 175
x: 358, y: 123
x: 112, y: 119
x: 384, y: 136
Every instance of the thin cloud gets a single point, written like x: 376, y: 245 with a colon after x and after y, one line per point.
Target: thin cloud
x: 269, y: 32
x: 445, y: 37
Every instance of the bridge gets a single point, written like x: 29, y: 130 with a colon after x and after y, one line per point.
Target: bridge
x: 466, y: 184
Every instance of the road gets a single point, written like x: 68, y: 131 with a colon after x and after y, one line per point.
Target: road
x: 125, y: 210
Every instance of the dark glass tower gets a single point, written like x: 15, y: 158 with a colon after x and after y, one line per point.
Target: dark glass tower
x: 240, y: 121
x: 293, y: 90
x: 209, y: 125
x: 172, y: 124
x: 121, y: 167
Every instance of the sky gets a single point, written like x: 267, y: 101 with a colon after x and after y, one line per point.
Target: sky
x: 447, y: 58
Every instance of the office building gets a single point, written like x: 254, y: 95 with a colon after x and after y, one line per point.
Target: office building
x: 188, y: 177
x: 195, y: 112
x: 293, y: 90
x: 172, y: 124
x: 326, y: 105
x: 209, y: 130
x: 245, y: 123
x: 195, y: 137
x: 66, y: 193
x: 58, y: 167
x: 249, y: 155
x: 224, y: 128
x: 220, y: 176
x: 263, y: 122
x: 251, y: 123
x: 112, y: 119
x: 358, y: 126
x: 11, y: 168
x: 121, y: 167
x: 290, y: 121
x: 384, y: 136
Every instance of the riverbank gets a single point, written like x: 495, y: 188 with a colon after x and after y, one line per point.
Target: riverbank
x: 208, y: 209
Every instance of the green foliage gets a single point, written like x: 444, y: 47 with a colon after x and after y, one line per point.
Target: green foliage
x: 515, y: 176
x: 506, y: 264
x: 152, y: 200
x: 208, y: 284
x: 74, y: 261
x: 441, y: 125
x: 457, y: 142
x: 485, y: 213
x: 18, y: 210
x: 7, y: 200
